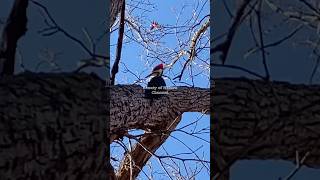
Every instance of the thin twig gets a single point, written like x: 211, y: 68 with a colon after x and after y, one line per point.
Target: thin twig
x: 299, y: 164
x: 225, y: 5
x: 238, y: 68
x: 278, y: 42
x: 263, y: 52
x: 55, y: 28
x: 314, y: 70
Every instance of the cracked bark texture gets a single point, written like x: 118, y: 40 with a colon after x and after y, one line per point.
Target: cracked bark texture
x: 52, y: 126
x: 254, y: 119
x: 131, y: 110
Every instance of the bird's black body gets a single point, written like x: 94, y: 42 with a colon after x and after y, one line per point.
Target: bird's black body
x: 155, y: 88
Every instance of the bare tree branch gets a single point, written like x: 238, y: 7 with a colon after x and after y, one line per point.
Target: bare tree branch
x: 299, y: 164
x: 225, y: 45
x: 263, y: 53
x: 143, y: 151
x: 193, y: 44
x: 115, y: 67
x: 53, y: 28
x: 15, y: 28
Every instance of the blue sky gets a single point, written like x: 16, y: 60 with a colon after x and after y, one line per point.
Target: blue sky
x: 136, y: 59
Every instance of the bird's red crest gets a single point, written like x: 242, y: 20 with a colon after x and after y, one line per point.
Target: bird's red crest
x: 160, y: 66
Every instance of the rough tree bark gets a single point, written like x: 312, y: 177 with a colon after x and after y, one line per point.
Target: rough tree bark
x: 115, y: 8
x: 52, y: 126
x: 45, y: 118
x: 152, y: 142
x: 130, y: 110
x: 257, y: 120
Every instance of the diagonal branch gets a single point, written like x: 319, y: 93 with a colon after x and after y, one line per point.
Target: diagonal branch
x: 263, y: 52
x: 225, y: 45
x: 144, y: 150
x: 299, y: 164
x: 276, y: 43
x: 193, y: 44
x: 311, y: 7
x: 238, y: 68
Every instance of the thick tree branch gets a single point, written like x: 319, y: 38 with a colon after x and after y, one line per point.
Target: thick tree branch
x: 115, y: 67
x: 15, y: 28
x: 144, y: 150
x: 47, y: 118
x: 271, y: 127
x: 65, y: 112
x: 130, y: 110
x: 114, y: 10
x: 52, y: 126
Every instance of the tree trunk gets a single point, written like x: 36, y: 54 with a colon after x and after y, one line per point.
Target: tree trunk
x: 114, y: 10
x: 258, y: 120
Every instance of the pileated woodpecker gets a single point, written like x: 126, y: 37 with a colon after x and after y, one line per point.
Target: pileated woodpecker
x: 155, y: 85
x: 157, y: 71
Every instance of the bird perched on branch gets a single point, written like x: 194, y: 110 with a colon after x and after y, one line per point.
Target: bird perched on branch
x: 156, y: 85
x: 154, y: 25
x: 157, y: 71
